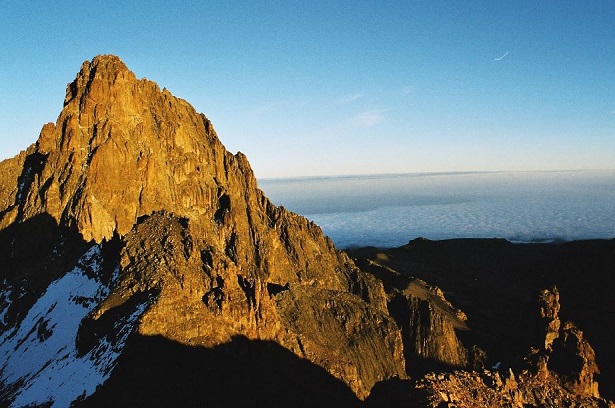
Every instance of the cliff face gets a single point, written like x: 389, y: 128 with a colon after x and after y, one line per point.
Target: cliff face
x: 194, y: 251
x: 524, y: 352
x: 428, y: 322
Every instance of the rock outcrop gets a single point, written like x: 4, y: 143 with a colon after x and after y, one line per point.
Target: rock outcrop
x: 521, y: 349
x: 558, y: 373
x: 428, y: 322
x: 131, y: 168
x: 565, y: 354
x: 466, y: 389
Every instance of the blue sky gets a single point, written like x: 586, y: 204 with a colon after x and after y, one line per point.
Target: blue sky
x: 331, y: 87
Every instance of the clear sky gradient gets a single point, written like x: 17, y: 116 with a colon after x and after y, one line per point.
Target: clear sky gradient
x: 341, y: 87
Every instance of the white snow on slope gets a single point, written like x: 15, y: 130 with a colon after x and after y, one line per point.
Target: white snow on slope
x: 40, y: 358
x: 5, y: 302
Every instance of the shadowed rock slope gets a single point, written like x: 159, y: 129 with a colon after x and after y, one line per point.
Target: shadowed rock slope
x: 518, y: 299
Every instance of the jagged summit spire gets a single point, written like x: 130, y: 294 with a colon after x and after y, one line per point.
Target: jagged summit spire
x: 109, y: 62
x: 122, y: 148
x: 102, y: 67
x: 105, y: 65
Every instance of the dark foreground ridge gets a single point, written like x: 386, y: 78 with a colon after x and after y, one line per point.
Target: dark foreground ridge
x: 142, y: 266
x: 155, y: 371
x: 496, y: 284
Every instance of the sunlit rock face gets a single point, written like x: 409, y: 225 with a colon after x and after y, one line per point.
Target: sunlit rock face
x: 140, y: 265
x: 195, y: 252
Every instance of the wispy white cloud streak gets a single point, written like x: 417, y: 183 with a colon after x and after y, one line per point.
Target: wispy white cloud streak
x: 350, y: 99
x: 369, y: 118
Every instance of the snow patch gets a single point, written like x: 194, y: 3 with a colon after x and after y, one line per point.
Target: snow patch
x: 41, y: 360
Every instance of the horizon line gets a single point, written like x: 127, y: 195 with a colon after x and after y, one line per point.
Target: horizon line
x: 426, y: 173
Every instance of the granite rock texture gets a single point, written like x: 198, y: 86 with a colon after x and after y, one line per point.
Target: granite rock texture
x: 131, y: 167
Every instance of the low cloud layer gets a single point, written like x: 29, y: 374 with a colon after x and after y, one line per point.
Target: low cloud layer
x: 388, y: 211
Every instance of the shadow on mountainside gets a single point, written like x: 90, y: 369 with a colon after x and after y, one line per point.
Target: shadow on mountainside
x: 155, y: 371
x: 496, y: 283
x: 33, y: 254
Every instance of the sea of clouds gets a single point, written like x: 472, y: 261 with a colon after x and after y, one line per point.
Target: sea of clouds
x: 390, y: 210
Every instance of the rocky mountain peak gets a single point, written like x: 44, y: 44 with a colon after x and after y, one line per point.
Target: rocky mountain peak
x: 105, y: 68
x: 142, y: 266
x: 122, y: 148
x: 182, y: 243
